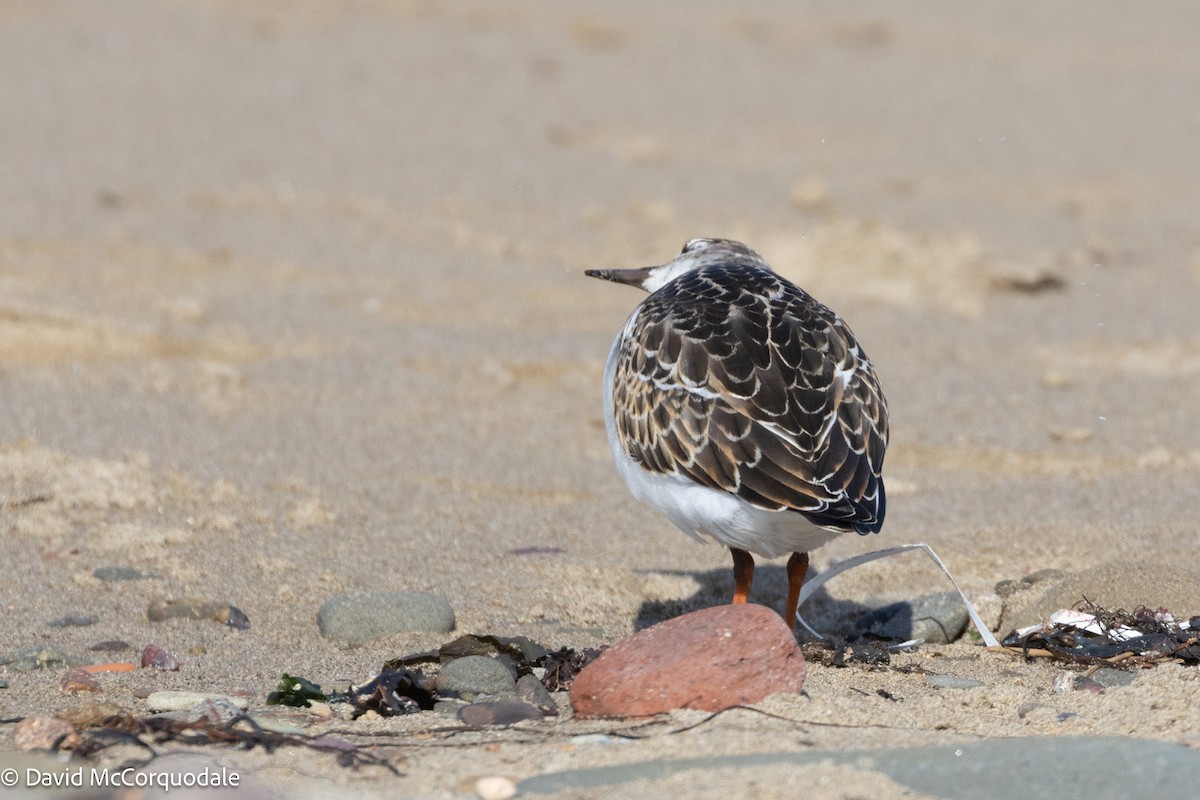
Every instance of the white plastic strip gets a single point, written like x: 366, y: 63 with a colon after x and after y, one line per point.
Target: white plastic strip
x: 817, y: 581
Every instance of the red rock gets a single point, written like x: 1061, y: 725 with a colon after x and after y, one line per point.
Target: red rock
x: 710, y: 660
x: 155, y: 656
x: 44, y: 733
x: 78, y: 680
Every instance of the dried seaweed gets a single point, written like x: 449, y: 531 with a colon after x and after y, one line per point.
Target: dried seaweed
x: 519, y: 653
x: 866, y: 648
x: 391, y: 693
x: 242, y: 732
x: 1117, y: 637
x: 564, y: 664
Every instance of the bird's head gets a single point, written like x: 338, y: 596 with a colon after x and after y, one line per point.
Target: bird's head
x: 695, y: 254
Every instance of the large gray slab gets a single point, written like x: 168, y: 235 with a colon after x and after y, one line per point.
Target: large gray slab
x: 996, y: 769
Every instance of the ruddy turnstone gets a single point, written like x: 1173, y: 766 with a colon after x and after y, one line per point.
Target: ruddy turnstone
x: 744, y: 410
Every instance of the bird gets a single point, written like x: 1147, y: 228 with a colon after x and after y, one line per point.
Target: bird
x: 744, y: 410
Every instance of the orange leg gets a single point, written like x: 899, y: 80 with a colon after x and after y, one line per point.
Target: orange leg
x: 743, y: 574
x: 797, y: 568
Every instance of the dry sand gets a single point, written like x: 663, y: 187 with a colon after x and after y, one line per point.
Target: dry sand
x: 291, y: 304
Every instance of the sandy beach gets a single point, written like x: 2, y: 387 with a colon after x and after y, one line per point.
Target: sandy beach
x: 292, y: 305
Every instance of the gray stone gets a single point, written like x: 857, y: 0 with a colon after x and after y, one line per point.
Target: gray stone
x: 1110, y: 678
x: 167, y: 608
x: 471, y: 676
x: 270, y: 721
x: 366, y: 616
x: 448, y: 708
x: 1009, y: 587
x: 72, y: 621
x: 112, y: 574
x: 937, y: 618
x: 951, y: 682
x: 1099, y: 768
x: 218, y: 710
x: 503, y: 713
x: 533, y: 691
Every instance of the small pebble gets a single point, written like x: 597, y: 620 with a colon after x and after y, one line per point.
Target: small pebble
x: 164, y: 609
x: 44, y: 733
x: 1109, y: 678
x: 112, y: 574
x: 186, y: 701
x: 155, y: 656
x: 76, y: 680
x: 503, y: 713
x: 72, y: 622
x: 951, y: 682
x: 320, y: 710
x: 598, y: 738
x: 90, y: 714
x: 448, y: 708
x: 273, y: 722
x: 110, y: 646
x: 232, y: 616
x: 329, y: 742
x: 1009, y: 587
x: 533, y: 691
x: 217, y: 710
x: 1063, y: 682
x: 495, y: 787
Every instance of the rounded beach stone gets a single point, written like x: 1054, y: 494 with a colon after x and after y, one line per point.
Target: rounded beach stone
x: 501, y: 712
x: 170, y: 700
x: 709, y: 660
x: 935, y: 618
x: 470, y: 676
x: 533, y: 691
x: 495, y: 787
x: 44, y: 733
x: 365, y: 616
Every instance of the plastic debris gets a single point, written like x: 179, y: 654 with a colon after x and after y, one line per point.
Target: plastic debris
x: 811, y: 585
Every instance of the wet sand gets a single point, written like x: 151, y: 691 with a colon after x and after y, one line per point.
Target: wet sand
x: 292, y: 304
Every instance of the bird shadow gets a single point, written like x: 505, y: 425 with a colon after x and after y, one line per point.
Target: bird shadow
x: 827, y: 614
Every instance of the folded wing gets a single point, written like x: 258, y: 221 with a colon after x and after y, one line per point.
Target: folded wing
x: 745, y: 383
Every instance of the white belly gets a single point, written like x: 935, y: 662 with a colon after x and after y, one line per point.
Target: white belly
x: 702, y: 512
